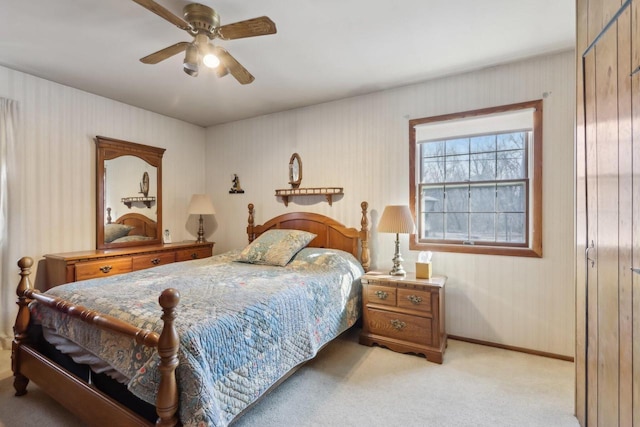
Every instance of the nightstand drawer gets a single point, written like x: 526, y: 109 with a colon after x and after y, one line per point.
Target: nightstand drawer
x: 414, y: 300
x: 141, y: 262
x: 403, y: 327
x: 384, y: 295
x: 103, y: 268
x: 194, y: 253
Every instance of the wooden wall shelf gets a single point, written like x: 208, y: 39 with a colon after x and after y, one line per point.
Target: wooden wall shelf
x: 146, y: 200
x: 328, y: 192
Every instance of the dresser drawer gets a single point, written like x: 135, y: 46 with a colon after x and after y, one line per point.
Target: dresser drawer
x: 141, y: 262
x: 193, y: 253
x: 414, y: 300
x: 103, y: 268
x: 384, y: 295
x: 403, y: 327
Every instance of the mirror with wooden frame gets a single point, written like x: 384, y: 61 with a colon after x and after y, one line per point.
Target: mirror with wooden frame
x: 128, y: 194
x: 295, y: 170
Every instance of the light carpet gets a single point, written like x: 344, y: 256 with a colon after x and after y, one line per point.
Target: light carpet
x: 348, y: 384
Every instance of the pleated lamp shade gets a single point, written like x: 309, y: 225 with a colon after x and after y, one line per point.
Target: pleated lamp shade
x: 396, y: 219
x: 201, y: 204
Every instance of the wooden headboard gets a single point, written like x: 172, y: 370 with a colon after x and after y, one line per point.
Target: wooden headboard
x: 142, y: 225
x: 329, y: 232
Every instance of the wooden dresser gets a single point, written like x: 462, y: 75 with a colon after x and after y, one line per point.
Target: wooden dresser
x: 73, y: 266
x: 404, y: 314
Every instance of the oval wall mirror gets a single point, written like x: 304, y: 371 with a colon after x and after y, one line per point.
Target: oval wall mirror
x: 128, y: 193
x: 295, y: 170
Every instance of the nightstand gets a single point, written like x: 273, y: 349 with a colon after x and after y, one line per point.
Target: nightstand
x: 404, y: 314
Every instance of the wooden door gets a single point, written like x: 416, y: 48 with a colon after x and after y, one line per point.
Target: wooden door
x: 608, y: 223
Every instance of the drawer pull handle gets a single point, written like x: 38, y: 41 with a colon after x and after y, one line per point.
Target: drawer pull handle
x: 414, y: 299
x: 194, y: 255
x: 106, y: 268
x: 155, y: 261
x: 398, y: 325
x: 382, y: 294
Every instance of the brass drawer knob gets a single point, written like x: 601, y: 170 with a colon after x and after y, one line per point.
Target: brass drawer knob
x: 398, y: 325
x: 155, y: 261
x: 382, y: 294
x: 414, y: 299
x: 106, y: 268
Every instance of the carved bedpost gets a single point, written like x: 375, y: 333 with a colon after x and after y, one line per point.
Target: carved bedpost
x: 250, y: 232
x: 21, y: 326
x: 167, y: 399
x: 364, y: 240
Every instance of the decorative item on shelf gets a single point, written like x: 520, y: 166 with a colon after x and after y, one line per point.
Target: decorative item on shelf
x: 396, y: 219
x: 295, y: 170
x: 236, y: 189
x: 144, y: 184
x: 201, y: 204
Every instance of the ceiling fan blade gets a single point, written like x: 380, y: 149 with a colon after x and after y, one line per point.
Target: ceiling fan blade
x: 235, y: 68
x: 221, y: 70
x: 164, y: 13
x: 165, y: 53
x: 250, y: 28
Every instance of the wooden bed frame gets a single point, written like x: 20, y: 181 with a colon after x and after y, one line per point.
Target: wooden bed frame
x: 142, y: 225
x: 95, y: 407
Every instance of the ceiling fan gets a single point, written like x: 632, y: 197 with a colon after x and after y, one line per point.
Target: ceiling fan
x: 203, y: 23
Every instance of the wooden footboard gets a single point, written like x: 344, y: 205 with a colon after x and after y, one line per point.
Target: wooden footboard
x: 84, y: 400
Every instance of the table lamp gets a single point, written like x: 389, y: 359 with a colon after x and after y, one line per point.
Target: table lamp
x: 201, y: 204
x: 396, y: 219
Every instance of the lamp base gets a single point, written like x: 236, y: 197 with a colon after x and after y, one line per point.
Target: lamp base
x: 397, y: 269
x: 201, y: 238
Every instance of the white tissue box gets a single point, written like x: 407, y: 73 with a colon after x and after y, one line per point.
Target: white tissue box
x: 423, y: 270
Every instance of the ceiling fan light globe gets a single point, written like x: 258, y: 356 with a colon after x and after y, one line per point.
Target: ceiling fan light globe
x: 210, y: 60
x: 191, y: 69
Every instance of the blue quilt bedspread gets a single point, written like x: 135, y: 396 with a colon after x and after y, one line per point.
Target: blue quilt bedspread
x: 242, y: 326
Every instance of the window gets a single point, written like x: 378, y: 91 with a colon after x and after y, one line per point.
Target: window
x: 476, y: 181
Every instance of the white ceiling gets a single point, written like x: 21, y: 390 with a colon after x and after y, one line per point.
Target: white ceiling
x: 323, y: 50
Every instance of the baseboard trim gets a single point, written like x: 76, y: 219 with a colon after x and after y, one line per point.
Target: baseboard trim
x: 513, y: 348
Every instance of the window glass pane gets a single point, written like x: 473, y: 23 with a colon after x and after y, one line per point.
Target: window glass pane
x: 482, y: 144
x: 432, y: 149
x: 510, y: 227
x: 456, y: 226
x: 457, y: 199
x: 511, y: 198
x: 433, y: 226
x: 511, y: 141
x: 510, y: 164
x: 482, y: 198
x: 482, y: 227
x: 482, y: 167
x: 433, y: 199
x: 457, y: 146
x: 457, y: 168
x: 432, y: 170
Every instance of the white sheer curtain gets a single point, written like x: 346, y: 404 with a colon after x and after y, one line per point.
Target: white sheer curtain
x: 8, y: 123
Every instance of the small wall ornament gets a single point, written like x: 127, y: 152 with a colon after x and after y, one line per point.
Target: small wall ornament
x: 236, y: 189
x: 295, y: 170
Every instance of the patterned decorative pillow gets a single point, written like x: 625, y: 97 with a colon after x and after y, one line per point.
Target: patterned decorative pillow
x: 275, y: 247
x: 115, y: 231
